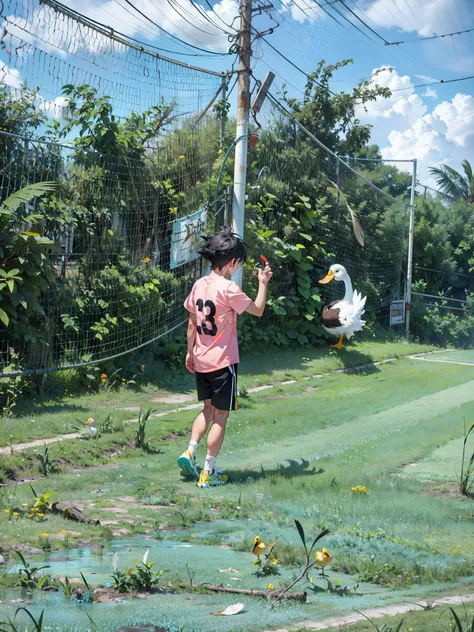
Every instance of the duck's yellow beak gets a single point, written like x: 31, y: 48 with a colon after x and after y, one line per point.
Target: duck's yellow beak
x: 328, y: 278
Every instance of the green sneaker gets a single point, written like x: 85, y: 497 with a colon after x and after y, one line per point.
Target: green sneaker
x: 213, y: 480
x: 187, y: 464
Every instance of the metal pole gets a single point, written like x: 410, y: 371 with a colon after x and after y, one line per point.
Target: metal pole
x: 410, y: 252
x: 223, y: 113
x: 242, y: 131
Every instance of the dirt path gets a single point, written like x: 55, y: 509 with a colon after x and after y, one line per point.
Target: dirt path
x: 376, y: 613
x: 20, y: 447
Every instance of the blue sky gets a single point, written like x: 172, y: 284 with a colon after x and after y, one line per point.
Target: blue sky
x: 432, y: 124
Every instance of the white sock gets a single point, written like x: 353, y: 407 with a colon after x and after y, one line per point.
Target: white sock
x: 192, y: 447
x: 210, y: 463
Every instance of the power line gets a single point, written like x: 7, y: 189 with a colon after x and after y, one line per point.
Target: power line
x: 174, y: 6
x: 432, y: 37
x: 170, y: 34
x: 434, y: 83
x: 364, y: 23
x: 298, y: 68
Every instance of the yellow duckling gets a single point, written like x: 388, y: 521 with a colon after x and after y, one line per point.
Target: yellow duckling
x: 258, y: 546
x: 323, y: 559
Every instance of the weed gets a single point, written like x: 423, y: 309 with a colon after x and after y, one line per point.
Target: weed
x: 45, y: 465
x: 38, y: 623
x: 467, y: 475
x: 67, y: 587
x: 140, y: 436
x: 139, y: 577
x: 28, y: 576
x: 384, y: 628
x: 268, y: 567
x: 308, y: 563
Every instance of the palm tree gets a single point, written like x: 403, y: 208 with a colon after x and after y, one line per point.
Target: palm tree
x: 454, y: 183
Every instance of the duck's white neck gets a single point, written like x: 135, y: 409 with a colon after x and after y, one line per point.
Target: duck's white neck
x: 349, y: 295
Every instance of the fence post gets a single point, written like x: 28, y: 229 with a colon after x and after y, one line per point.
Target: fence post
x: 410, y: 252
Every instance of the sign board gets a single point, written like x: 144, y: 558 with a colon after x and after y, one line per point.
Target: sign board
x: 186, y: 238
x: 397, y: 313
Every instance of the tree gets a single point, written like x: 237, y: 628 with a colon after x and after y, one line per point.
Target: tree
x: 454, y: 183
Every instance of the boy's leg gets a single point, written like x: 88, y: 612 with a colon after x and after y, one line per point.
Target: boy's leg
x: 224, y: 400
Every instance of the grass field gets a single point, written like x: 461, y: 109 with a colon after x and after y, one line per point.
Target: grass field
x: 292, y: 451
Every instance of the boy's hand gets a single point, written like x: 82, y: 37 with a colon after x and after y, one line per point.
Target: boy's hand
x: 265, y: 274
x: 190, y: 362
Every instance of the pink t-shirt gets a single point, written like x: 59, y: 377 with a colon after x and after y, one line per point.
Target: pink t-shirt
x: 216, y: 302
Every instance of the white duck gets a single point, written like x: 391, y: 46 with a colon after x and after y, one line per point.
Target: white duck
x: 90, y: 423
x: 343, y: 317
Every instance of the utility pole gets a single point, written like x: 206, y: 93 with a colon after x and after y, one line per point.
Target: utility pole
x: 410, y: 252
x: 242, y: 132
x: 223, y: 114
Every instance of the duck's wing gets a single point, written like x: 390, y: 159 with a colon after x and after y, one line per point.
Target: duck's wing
x: 330, y: 316
x: 351, y: 315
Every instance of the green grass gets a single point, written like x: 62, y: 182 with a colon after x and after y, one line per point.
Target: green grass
x: 293, y: 451
x: 432, y: 620
x: 47, y: 417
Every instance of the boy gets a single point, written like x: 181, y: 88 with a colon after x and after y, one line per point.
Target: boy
x: 213, y: 354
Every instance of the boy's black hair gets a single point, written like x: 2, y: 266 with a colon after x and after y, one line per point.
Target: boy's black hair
x: 224, y: 247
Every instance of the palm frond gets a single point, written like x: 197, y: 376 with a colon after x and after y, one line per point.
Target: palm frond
x: 450, y: 181
x: 28, y: 193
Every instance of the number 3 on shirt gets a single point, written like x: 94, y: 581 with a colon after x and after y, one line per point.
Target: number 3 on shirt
x: 208, y: 318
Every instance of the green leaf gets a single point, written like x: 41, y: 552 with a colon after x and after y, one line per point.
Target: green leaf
x: 305, y: 236
x: 304, y: 291
x: 309, y: 317
x: 300, y: 246
x: 316, y: 298
x: 28, y: 193
x: 4, y: 317
x: 11, y: 285
x: 301, y: 532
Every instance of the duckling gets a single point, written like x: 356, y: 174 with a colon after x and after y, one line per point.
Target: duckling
x: 323, y: 559
x: 92, y: 429
x: 258, y: 547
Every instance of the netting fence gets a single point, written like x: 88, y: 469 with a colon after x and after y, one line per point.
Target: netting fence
x: 132, y: 154
x: 293, y: 165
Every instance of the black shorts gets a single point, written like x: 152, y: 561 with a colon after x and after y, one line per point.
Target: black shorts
x: 219, y: 386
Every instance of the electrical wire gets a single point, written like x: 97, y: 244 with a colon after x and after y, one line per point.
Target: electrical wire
x: 431, y: 37
x: 364, y: 23
x: 173, y: 4
x: 434, y: 83
x: 175, y: 37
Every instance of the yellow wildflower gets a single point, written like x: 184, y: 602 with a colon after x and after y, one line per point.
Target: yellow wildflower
x: 16, y: 513
x: 63, y: 531
x: 181, y: 157
x: 146, y: 260
x: 31, y: 516
x: 270, y: 513
x: 271, y: 586
x: 6, y: 510
x: 40, y: 515
x: 25, y: 505
x: 45, y: 535
x: 359, y: 489
x: 274, y: 561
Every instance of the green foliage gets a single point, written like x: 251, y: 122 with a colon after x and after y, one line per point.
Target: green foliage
x: 26, y: 270
x: 37, y: 623
x: 28, y: 576
x: 466, y: 480
x: 45, y: 465
x: 140, y: 437
x: 139, y: 577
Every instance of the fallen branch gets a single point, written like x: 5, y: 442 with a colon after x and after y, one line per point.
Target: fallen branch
x: 67, y: 510
x: 298, y: 596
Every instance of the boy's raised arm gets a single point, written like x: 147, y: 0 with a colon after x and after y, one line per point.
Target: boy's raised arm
x: 257, y: 307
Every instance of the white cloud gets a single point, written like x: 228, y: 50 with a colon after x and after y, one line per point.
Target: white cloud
x: 446, y: 135
x: 11, y: 77
x: 403, y: 103
x: 430, y: 93
x: 425, y: 18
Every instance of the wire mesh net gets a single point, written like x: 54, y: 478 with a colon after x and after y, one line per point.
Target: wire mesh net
x: 120, y: 277
x: 122, y: 272
x: 50, y: 47
x: 295, y: 167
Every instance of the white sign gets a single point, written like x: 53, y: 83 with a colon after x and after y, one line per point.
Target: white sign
x: 397, y: 313
x: 186, y: 236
